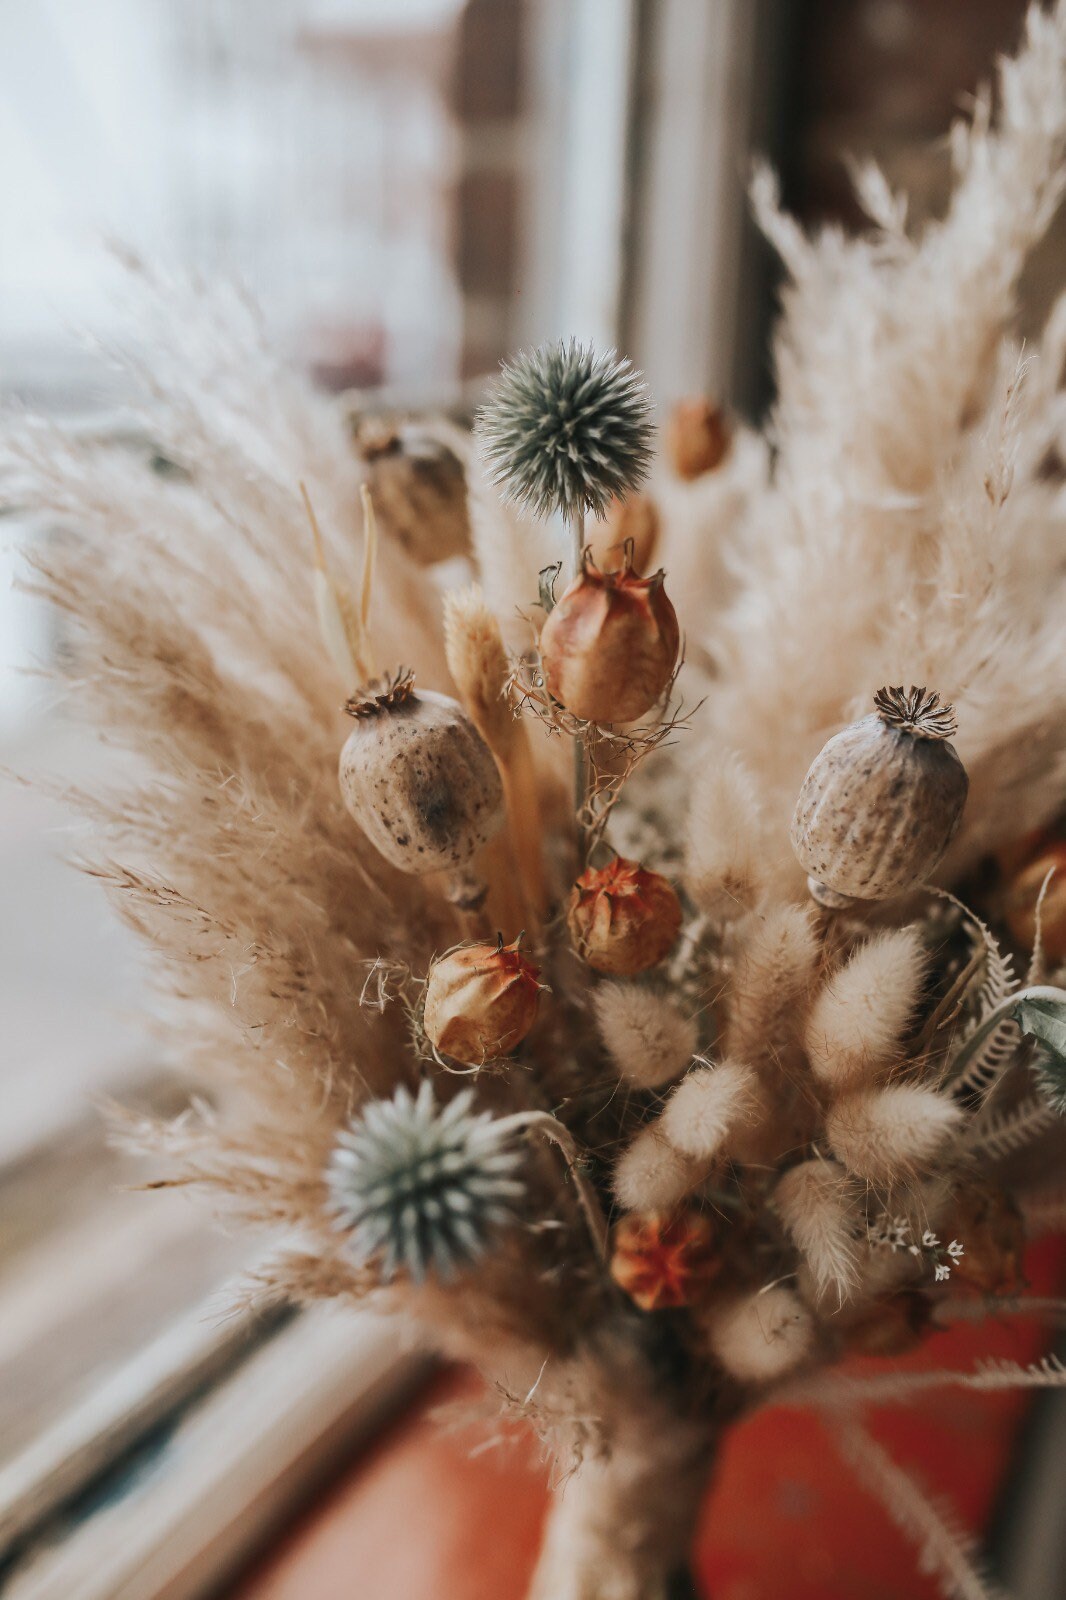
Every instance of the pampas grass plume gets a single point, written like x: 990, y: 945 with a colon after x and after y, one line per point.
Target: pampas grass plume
x: 860, y: 1016
x: 725, y: 867
x: 760, y: 1337
x: 813, y: 1203
x: 652, y: 1174
x: 884, y: 1135
x: 707, y: 1106
x: 649, y: 1040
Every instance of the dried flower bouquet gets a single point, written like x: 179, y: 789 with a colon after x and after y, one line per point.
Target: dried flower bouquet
x: 654, y: 1054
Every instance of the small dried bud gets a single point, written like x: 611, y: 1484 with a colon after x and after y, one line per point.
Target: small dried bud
x: 1021, y: 898
x: 418, y: 778
x: 698, y: 436
x: 990, y: 1227
x: 622, y: 918
x: 888, y: 1326
x: 418, y: 487
x: 610, y: 646
x: 663, y: 1260
x: 637, y: 518
x: 481, y: 1001
x: 882, y: 800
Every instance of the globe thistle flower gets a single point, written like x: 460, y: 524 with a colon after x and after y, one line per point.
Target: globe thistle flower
x: 567, y: 430
x: 421, y: 1187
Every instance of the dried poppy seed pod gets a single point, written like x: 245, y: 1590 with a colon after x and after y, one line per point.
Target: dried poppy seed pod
x: 622, y: 918
x: 418, y: 486
x: 418, y: 778
x: 698, y: 436
x: 663, y: 1261
x: 610, y: 646
x: 481, y: 1001
x: 882, y: 800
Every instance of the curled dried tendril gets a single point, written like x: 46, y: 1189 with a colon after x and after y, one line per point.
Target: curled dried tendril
x: 916, y: 711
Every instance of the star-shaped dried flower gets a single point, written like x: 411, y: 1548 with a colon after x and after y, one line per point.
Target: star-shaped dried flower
x: 662, y: 1260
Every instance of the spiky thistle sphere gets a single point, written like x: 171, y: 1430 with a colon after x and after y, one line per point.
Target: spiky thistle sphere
x: 421, y: 1187
x: 567, y: 430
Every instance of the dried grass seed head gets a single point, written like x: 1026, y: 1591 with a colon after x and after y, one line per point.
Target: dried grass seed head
x: 420, y: 1188
x: 567, y: 430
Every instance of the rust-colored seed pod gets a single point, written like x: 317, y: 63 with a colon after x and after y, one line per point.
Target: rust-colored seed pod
x: 418, y: 778
x: 698, y: 436
x: 882, y: 800
x: 622, y: 918
x: 663, y: 1261
x: 1021, y: 898
x: 637, y: 518
x: 481, y: 1001
x: 610, y: 646
x: 890, y: 1325
x: 990, y: 1228
x: 418, y: 487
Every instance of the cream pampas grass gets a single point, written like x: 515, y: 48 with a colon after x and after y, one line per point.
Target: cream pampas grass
x: 766, y: 1139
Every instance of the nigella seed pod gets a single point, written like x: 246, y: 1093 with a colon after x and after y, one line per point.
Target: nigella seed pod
x: 698, y: 437
x: 418, y: 778
x: 882, y: 800
x: 622, y: 918
x: 663, y: 1261
x: 418, y: 486
x: 609, y: 648
x: 481, y: 1001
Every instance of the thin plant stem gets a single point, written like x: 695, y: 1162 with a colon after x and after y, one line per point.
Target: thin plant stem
x: 576, y: 524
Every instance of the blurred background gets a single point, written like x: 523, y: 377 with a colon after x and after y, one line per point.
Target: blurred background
x: 411, y: 189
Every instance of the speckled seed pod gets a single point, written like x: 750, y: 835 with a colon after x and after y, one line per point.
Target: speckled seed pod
x: 698, y: 436
x: 418, y: 778
x: 881, y: 801
x: 481, y: 1001
x: 418, y: 487
x: 622, y: 918
x: 610, y: 646
x: 663, y: 1261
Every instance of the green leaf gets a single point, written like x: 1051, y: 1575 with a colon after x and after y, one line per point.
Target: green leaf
x: 1045, y: 1021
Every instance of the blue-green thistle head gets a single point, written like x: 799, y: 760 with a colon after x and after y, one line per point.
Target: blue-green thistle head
x: 567, y: 430
x: 420, y: 1188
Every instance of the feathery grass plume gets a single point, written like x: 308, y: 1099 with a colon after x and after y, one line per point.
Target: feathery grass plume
x: 647, y: 1038
x: 651, y: 1174
x: 759, y: 1337
x: 477, y: 660
x: 816, y: 1204
x: 859, y: 1018
x: 773, y: 979
x: 421, y: 1186
x: 884, y: 1135
x: 946, y: 1549
x: 567, y: 430
x: 724, y: 858
x: 707, y: 1106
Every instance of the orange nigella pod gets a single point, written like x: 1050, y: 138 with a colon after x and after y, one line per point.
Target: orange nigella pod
x: 622, y: 918
x: 1022, y: 895
x: 610, y: 645
x: 697, y: 437
x: 481, y: 1001
x: 663, y: 1261
x: 890, y: 1325
x: 990, y: 1228
x: 637, y: 518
